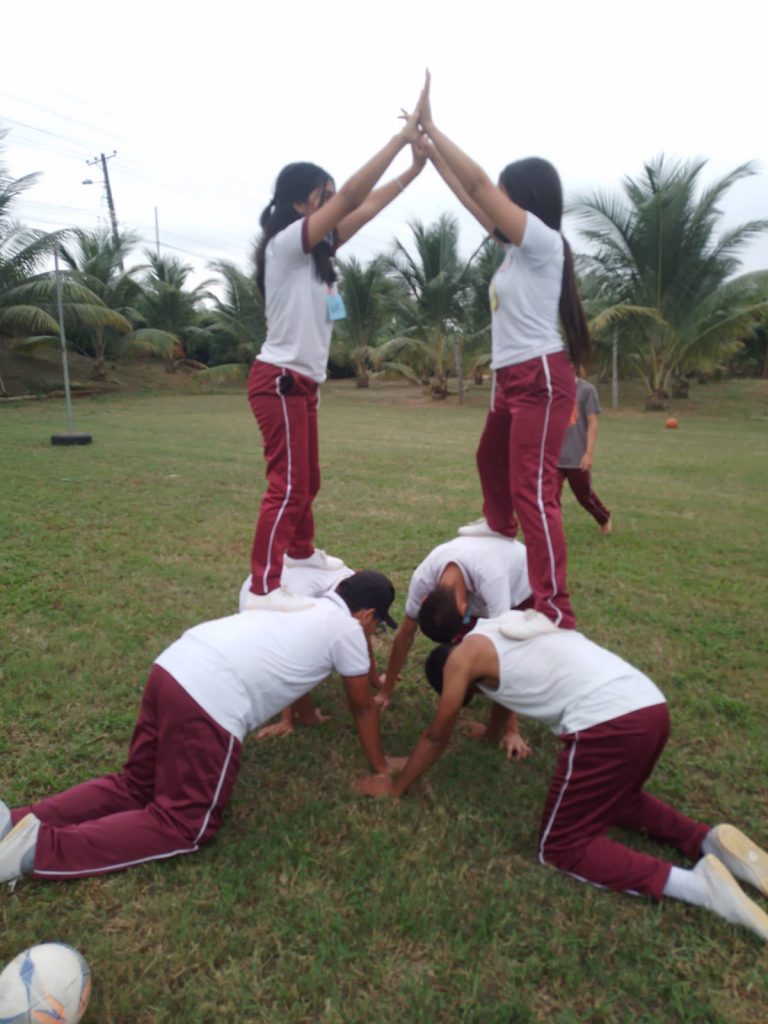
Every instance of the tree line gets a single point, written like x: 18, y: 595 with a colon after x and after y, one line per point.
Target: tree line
x: 660, y: 282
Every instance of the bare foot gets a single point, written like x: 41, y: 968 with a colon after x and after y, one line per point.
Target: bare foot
x: 607, y: 527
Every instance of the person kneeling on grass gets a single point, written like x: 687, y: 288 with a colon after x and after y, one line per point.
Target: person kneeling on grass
x: 205, y: 692
x: 305, y: 581
x: 613, y: 722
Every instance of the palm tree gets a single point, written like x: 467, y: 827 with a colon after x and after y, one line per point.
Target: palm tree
x: 96, y: 263
x: 477, y: 319
x: 22, y: 251
x: 238, y: 316
x: 170, y: 310
x: 431, y: 303
x: 662, y: 271
x: 359, y: 337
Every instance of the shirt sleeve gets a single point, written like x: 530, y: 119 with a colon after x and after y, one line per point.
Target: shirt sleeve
x: 540, y: 244
x: 349, y: 651
x: 286, y: 247
x: 418, y: 589
x: 591, y: 401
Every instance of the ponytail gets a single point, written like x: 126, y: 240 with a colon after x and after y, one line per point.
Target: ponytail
x: 572, y: 313
x: 294, y: 184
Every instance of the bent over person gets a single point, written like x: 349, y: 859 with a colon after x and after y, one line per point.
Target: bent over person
x: 461, y: 580
x: 613, y: 722
x: 205, y: 692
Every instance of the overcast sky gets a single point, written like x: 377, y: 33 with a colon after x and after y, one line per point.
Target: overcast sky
x: 205, y: 103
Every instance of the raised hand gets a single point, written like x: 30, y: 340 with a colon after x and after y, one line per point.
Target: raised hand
x: 424, y: 106
x: 420, y: 150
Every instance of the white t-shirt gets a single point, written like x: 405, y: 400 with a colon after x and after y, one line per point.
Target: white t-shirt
x: 495, y: 571
x: 525, y: 297
x: 302, y: 580
x: 563, y: 680
x: 245, y: 668
x: 298, y: 326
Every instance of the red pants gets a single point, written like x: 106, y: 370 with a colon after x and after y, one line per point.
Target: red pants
x: 288, y: 424
x: 167, y: 800
x: 597, y: 785
x: 517, y: 461
x: 580, y: 482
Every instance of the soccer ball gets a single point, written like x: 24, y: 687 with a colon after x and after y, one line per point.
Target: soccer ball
x: 46, y: 984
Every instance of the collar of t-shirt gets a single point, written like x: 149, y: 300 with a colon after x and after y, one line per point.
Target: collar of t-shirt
x: 331, y: 595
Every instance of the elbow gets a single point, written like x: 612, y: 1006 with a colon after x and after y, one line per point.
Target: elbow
x: 349, y: 199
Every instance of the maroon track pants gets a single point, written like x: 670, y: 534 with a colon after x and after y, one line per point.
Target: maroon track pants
x: 517, y: 462
x: 598, y: 785
x: 167, y: 800
x: 288, y: 425
x: 580, y: 482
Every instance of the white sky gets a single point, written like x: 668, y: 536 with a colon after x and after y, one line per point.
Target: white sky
x: 205, y: 103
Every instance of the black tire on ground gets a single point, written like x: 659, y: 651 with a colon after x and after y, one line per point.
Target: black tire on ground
x: 71, y: 438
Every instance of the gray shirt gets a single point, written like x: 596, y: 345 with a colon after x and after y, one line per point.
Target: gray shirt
x: 575, y: 441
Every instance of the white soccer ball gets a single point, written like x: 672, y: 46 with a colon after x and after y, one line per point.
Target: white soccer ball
x: 48, y: 983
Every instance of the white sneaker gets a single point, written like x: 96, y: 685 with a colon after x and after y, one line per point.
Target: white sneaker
x: 280, y: 600
x: 525, y: 625
x: 725, y: 898
x: 17, y: 849
x: 480, y: 528
x: 5, y: 819
x: 743, y: 858
x: 319, y: 559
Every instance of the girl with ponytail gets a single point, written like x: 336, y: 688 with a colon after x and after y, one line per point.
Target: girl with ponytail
x: 302, y: 226
x: 534, y: 304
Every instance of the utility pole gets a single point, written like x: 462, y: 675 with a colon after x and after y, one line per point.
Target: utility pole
x: 107, y: 188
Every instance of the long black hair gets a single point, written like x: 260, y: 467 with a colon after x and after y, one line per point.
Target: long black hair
x: 534, y: 185
x: 294, y: 184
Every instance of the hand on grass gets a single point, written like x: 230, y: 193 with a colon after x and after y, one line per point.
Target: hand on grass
x: 375, y: 785
x: 280, y: 729
x: 309, y: 719
x: 474, y: 730
x: 515, y: 747
x: 382, y: 701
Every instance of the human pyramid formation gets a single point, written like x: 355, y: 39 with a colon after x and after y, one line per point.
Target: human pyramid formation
x: 499, y: 611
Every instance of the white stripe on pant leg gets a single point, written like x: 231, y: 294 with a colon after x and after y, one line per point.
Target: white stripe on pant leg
x: 540, y: 497
x: 550, y: 823
x: 288, y: 488
x: 157, y: 856
x: 215, y: 800
x: 556, y: 808
x: 493, y: 389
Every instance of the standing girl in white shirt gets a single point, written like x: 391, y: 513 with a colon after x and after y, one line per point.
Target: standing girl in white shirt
x: 533, y: 295
x: 302, y: 226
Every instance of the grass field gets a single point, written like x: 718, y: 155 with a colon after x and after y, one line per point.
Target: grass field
x: 313, y: 904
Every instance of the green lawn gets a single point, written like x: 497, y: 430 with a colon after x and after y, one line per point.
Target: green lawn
x: 313, y: 904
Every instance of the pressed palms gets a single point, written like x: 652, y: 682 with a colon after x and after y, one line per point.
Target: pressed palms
x: 660, y: 267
